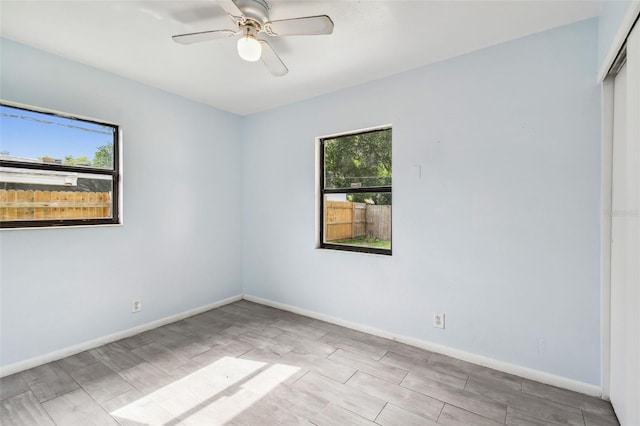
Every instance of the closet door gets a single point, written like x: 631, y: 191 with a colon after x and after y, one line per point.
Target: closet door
x: 625, y: 235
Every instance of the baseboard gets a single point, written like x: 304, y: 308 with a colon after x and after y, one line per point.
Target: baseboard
x: 91, y: 344
x: 525, y: 372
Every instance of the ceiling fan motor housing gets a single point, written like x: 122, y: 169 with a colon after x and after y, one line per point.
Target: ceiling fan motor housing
x: 254, y: 10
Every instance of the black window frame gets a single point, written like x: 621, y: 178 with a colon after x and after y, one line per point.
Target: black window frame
x: 361, y: 190
x: 114, y: 173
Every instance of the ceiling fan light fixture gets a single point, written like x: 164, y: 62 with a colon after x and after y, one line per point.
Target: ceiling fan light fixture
x: 251, y: 17
x: 249, y: 48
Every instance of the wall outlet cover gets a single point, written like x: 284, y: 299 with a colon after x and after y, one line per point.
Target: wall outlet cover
x: 438, y: 319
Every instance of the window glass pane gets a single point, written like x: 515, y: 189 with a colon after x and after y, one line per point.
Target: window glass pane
x: 34, y: 137
x: 358, y: 161
x: 27, y: 194
x: 362, y: 220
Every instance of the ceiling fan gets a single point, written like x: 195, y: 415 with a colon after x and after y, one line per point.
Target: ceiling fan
x: 250, y: 18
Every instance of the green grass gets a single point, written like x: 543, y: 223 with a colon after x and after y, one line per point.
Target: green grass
x: 366, y: 242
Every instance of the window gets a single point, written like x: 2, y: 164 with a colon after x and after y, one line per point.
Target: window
x: 355, y: 191
x: 56, y: 170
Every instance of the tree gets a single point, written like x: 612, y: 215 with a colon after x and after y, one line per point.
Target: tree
x: 80, y: 161
x: 362, y: 159
x: 103, y: 157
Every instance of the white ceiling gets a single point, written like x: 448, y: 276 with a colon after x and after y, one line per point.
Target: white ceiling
x: 372, y: 39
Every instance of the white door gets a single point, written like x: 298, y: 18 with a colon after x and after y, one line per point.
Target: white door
x: 625, y: 236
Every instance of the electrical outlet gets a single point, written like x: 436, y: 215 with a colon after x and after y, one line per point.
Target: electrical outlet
x: 416, y: 171
x: 137, y: 306
x: 438, y: 319
x: 542, y: 346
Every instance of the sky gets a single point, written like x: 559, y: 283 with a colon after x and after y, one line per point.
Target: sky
x: 33, y: 135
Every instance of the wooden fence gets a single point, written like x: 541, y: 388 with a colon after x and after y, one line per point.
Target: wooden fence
x: 379, y: 222
x: 35, y: 205
x: 345, y: 220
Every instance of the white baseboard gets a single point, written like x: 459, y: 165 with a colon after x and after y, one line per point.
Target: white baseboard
x: 525, y: 372
x: 72, y: 350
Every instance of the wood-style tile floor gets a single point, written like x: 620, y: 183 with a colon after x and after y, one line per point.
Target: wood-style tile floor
x: 247, y: 364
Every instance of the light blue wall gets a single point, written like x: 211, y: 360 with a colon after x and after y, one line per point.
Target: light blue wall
x: 611, y: 16
x: 501, y: 232
x: 180, y: 247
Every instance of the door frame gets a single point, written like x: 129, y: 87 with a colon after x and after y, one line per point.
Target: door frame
x: 606, y: 77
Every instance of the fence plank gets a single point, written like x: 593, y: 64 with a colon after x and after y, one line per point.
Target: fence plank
x: 3, y: 200
x: 360, y: 219
x: 39, y: 205
x: 344, y: 220
x: 379, y: 222
x: 338, y: 220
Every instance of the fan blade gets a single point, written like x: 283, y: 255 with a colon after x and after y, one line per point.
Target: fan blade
x: 230, y: 7
x: 203, y: 36
x: 310, y: 25
x: 272, y: 61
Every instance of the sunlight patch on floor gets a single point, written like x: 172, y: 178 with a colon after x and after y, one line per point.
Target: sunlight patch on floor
x: 199, y: 398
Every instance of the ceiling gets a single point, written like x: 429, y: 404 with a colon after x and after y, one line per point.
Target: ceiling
x: 371, y: 39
